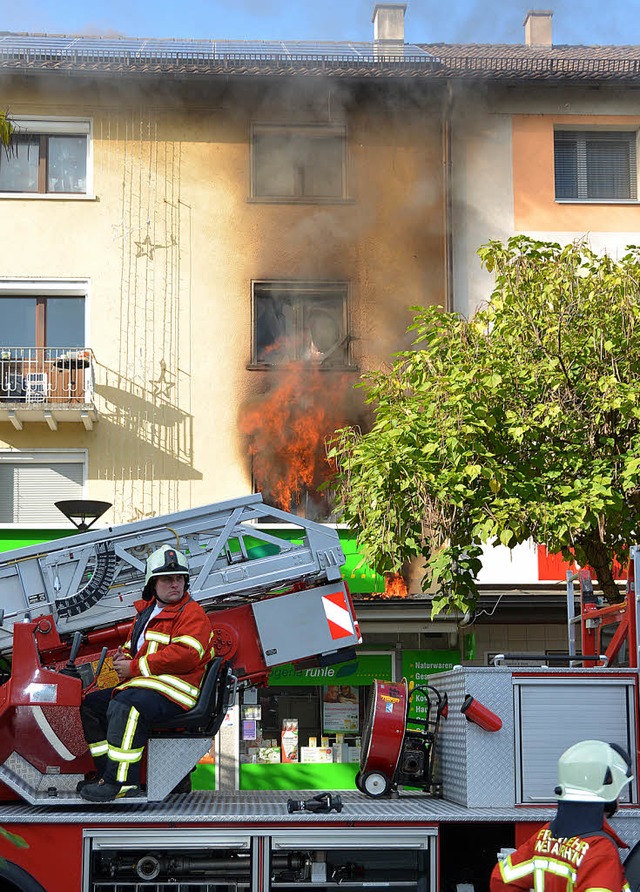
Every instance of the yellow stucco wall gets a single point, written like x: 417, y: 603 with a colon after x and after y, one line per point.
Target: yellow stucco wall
x: 171, y: 244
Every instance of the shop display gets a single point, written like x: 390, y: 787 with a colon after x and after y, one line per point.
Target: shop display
x: 289, y: 740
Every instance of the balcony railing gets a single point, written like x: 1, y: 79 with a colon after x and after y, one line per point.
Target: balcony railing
x: 39, y: 376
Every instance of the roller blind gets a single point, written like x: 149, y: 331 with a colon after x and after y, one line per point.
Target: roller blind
x: 595, y: 165
x: 28, y: 492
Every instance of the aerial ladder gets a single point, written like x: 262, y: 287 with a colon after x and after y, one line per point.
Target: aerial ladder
x: 67, y: 605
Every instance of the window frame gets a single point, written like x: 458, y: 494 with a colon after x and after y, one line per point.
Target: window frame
x: 630, y: 134
x: 44, y: 126
x: 299, y: 288
x: 78, y: 457
x: 46, y: 288
x: 339, y: 130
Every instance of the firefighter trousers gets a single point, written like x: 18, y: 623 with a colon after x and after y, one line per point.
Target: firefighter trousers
x: 117, y: 727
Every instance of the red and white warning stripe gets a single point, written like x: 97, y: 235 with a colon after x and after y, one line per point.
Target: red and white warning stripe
x: 338, y: 615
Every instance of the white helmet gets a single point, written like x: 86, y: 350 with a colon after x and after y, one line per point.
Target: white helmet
x: 166, y: 561
x: 593, y: 771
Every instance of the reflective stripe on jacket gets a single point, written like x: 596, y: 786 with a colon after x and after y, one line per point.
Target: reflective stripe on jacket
x: 546, y: 864
x: 175, y: 651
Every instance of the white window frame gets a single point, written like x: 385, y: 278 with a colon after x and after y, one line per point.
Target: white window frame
x: 338, y: 130
x: 57, y: 126
x: 612, y: 129
x: 46, y: 456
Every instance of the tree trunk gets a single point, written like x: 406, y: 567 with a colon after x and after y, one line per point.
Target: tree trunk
x: 599, y: 558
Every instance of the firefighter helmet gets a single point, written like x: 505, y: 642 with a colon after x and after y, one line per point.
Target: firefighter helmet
x: 165, y: 561
x: 593, y: 771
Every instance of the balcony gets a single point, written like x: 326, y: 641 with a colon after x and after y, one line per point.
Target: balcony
x: 47, y: 384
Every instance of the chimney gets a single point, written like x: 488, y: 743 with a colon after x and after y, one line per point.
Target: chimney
x: 388, y: 27
x: 537, y: 27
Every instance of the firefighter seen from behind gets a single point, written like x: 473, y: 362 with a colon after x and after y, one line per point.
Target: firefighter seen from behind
x: 578, y: 850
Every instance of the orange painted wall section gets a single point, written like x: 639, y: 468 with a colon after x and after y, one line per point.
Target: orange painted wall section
x: 535, y: 207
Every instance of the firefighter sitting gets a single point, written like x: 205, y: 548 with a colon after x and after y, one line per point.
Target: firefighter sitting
x: 578, y: 850
x: 160, y: 669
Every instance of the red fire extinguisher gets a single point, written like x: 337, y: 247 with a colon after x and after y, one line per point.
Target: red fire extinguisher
x: 480, y: 715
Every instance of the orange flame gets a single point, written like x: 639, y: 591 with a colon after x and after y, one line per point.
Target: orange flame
x: 395, y: 586
x: 287, y: 429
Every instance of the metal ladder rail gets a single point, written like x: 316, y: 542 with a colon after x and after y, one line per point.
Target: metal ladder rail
x: 46, y: 578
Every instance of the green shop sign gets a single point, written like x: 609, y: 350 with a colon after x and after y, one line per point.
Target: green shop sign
x: 418, y: 666
x: 361, y: 671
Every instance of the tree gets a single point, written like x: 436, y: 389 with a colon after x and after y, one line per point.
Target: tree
x: 519, y: 423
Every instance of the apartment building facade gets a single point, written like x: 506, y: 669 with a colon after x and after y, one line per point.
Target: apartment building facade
x: 206, y: 243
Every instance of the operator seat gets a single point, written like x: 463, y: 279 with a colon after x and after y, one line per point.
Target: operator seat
x: 204, y: 719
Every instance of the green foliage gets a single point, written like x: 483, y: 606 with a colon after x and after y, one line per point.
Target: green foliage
x: 521, y: 422
x: 6, y: 131
x: 14, y: 839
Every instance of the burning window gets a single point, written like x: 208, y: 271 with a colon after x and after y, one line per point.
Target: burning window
x: 301, y: 163
x: 595, y: 165
x: 297, y: 322
x: 47, y: 157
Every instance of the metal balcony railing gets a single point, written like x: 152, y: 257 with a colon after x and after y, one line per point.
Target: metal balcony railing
x: 46, y: 375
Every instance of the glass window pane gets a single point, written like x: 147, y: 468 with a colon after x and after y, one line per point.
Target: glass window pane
x: 17, y: 322
x: 276, y: 340
x: 323, y: 167
x: 298, y: 164
x: 273, y: 166
x: 67, y: 164
x: 323, y: 333
x: 19, y: 170
x: 65, y: 322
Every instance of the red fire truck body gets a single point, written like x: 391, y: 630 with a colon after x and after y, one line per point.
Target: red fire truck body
x: 491, y: 767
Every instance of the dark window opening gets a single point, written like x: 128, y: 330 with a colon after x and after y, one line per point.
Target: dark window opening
x: 300, y: 323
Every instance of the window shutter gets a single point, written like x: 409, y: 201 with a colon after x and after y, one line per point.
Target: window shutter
x: 595, y: 165
x: 6, y: 493
x: 609, y: 165
x: 566, y: 166
x: 28, y: 492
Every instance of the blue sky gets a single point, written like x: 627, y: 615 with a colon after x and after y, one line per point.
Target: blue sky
x: 463, y: 21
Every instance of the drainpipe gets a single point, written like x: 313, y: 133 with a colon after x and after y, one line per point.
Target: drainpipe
x: 448, y: 199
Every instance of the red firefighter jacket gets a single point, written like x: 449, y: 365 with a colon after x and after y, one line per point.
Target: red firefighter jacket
x: 579, y: 864
x: 175, y: 651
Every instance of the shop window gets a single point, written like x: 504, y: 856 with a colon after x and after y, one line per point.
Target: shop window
x: 47, y: 157
x: 595, y: 165
x: 298, y: 163
x: 32, y: 482
x: 300, y: 322
x: 307, y: 724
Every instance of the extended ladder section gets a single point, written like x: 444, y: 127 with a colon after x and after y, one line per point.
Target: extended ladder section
x: 92, y: 579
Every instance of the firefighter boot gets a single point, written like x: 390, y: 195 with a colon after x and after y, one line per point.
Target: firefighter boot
x: 101, y: 791
x: 101, y: 763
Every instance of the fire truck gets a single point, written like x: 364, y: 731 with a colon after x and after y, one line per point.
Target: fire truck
x: 436, y: 799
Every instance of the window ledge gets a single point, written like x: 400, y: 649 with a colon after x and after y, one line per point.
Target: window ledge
x: 275, y: 367
x: 302, y: 200
x: 49, y: 196
x: 600, y: 201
